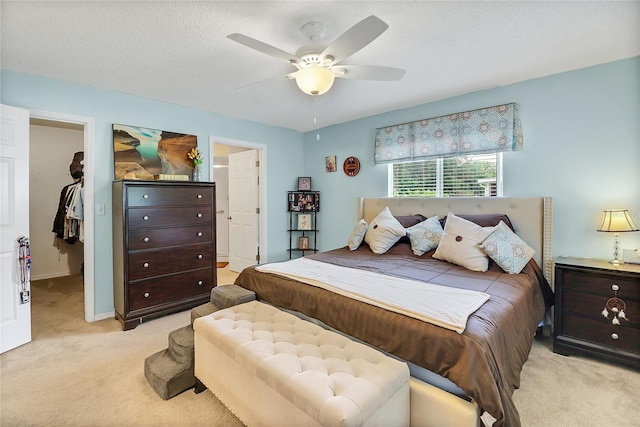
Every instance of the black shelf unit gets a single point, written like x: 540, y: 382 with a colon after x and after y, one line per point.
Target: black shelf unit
x: 303, y: 207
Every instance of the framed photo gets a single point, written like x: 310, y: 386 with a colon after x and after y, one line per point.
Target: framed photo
x: 330, y: 163
x: 304, y: 221
x: 304, y: 183
x: 303, y: 242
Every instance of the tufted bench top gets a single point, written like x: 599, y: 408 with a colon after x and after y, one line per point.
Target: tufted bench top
x: 324, y: 374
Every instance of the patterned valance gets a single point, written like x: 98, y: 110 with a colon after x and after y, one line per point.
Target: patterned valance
x: 487, y: 130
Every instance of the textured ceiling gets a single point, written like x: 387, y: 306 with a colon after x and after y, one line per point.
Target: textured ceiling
x: 178, y: 51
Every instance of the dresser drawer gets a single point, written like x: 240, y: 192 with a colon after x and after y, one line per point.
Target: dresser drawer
x: 148, y: 293
x: 156, y: 262
x: 601, y: 284
x: 602, y: 332
x: 139, y: 196
x: 172, y: 236
x: 162, y: 217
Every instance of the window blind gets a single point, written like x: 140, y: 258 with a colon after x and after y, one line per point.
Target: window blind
x: 472, y: 175
x: 486, y: 130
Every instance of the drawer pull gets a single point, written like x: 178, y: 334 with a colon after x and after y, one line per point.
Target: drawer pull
x: 146, y: 196
x: 615, y: 287
x: 146, y: 218
x: 146, y: 239
x: 199, y: 215
x: 614, y: 336
x: 145, y: 265
x: 199, y: 256
x: 200, y: 282
x: 199, y: 196
x: 199, y: 233
x: 146, y: 294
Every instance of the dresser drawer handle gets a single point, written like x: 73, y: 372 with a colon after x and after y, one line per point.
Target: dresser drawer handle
x: 200, y: 282
x: 614, y: 336
x: 199, y: 215
x: 615, y: 287
x: 199, y: 196
x: 199, y: 256
x: 145, y: 265
x: 146, y: 196
x: 146, y: 294
x: 146, y: 239
x: 199, y: 233
x: 146, y: 218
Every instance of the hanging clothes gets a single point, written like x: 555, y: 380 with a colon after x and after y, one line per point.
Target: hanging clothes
x: 68, y: 223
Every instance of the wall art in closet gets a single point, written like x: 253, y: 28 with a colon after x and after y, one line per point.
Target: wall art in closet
x: 141, y: 153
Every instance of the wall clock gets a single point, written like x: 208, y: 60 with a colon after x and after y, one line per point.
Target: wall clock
x: 351, y: 166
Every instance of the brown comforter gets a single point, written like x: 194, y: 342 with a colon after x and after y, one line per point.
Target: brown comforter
x: 485, y: 361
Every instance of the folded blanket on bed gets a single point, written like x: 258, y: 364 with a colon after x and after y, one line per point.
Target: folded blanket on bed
x: 439, y: 305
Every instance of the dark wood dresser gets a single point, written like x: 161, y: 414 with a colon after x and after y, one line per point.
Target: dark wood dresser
x: 597, y: 310
x: 164, y: 248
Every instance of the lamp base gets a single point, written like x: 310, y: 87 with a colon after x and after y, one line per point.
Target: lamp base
x: 616, y: 262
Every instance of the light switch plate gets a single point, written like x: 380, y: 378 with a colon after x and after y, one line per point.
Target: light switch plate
x: 100, y: 209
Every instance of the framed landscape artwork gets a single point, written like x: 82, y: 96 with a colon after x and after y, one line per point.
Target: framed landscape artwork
x: 141, y: 153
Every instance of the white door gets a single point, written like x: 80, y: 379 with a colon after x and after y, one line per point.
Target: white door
x: 243, y: 209
x: 15, y: 315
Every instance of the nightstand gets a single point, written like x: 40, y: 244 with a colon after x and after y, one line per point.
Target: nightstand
x: 584, y: 288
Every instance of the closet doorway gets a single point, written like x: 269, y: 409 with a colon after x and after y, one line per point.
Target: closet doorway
x: 57, y: 145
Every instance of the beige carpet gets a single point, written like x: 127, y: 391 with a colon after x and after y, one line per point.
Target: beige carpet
x: 91, y: 374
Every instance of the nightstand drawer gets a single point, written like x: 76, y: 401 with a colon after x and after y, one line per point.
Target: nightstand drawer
x: 602, y: 332
x: 590, y: 305
x: 601, y: 284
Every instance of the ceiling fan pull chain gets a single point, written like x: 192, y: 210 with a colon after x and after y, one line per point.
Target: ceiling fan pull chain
x: 315, y: 117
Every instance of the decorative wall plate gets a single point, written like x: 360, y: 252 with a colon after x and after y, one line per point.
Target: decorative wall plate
x: 351, y: 166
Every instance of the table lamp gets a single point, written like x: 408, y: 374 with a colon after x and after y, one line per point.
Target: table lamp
x: 617, y: 221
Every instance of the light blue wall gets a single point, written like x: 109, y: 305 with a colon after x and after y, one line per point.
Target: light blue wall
x: 284, y: 151
x: 582, y: 147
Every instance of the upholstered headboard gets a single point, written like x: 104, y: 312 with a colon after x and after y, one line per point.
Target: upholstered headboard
x: 532, y: 217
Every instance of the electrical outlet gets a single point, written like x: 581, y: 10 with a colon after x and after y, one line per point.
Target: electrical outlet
x: 100, y: 209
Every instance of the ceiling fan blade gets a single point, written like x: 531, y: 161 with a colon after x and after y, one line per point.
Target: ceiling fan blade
x: 368, y: 72
x: 270, y: 80
x: 264, y: 48
x: 355, y: 38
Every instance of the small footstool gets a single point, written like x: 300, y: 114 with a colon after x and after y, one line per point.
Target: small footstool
x: 272, y: 369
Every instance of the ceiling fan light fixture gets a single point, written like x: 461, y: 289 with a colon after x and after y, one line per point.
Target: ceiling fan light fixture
x: 314, y: 80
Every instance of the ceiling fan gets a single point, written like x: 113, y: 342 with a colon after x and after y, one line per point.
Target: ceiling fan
x: 317, y: 66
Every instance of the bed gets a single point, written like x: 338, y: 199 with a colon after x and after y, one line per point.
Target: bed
x: 458, y: 378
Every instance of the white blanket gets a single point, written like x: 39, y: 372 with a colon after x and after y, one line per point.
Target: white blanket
x: 440, y: 305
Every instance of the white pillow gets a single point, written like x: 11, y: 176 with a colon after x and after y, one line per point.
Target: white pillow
x: 355, y: 239
x: 425, y: 235
x: 508, y: 250
x: 460, y: 244
x: 383, y: 232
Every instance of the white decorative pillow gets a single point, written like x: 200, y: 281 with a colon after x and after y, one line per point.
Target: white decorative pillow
x: 425, y: 235
x: 460, y: 244
x: 508, y: 250
x: 383, y: 232
x: 355, y: 239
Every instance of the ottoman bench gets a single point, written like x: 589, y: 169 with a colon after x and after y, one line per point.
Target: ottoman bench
x: 273, y: 369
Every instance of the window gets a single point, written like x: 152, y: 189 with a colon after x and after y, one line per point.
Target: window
x: 472, y: 175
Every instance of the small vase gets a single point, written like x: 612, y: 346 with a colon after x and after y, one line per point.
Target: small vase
x: 197, y: 173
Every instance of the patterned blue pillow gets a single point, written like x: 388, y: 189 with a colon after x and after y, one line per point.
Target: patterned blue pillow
x: 508, y: 250
x: 425, y: 235
x: 357, y: 235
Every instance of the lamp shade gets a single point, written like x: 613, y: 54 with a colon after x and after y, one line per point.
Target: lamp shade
x: 617, y: 221
x: 314, y: 80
